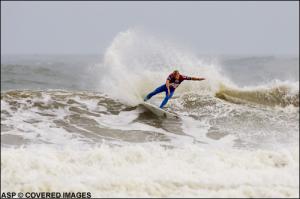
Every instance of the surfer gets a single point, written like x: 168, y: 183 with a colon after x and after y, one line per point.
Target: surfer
x: 173, y: 81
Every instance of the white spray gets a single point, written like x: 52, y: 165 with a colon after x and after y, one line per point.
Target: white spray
x: 136, y: 63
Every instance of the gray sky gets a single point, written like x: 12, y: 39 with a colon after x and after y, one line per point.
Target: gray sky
x: 208, y: 27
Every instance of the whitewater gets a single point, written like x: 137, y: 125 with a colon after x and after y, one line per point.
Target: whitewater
x: 75, y: 123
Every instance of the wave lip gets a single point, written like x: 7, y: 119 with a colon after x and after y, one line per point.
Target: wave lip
x: 282, y: 95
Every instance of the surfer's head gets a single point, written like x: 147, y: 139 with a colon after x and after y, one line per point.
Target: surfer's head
x: 176, y: 74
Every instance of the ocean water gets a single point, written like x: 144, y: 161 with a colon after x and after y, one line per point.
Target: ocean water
x: 74, y: 123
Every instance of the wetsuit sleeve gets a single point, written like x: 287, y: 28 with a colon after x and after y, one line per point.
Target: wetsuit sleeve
x: 186, y: 77
x: 170, y: 77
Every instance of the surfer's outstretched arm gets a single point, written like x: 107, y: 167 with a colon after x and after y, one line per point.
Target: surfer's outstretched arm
x: 193, y: 78
x: 198, y: 78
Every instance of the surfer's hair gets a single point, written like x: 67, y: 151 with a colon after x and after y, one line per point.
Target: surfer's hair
x: 175, y: 71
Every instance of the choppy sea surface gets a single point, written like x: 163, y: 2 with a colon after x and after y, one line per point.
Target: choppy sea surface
x: 75, y: 123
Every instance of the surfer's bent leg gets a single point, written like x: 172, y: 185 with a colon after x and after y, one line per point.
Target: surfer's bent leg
x: 156, y: 91
x: 164, y: 102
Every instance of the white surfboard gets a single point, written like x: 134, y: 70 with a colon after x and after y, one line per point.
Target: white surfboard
x: 159, y: 112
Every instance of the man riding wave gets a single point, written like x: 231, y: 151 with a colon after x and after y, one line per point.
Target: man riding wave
x: 172, y: 82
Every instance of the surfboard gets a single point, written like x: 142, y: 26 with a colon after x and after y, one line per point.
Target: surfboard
x: 159, y: 112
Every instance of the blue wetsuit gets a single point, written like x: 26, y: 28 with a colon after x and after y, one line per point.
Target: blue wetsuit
x: 174, y: 83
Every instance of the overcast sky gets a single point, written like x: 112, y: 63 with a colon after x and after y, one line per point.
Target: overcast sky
x: 208, y: 27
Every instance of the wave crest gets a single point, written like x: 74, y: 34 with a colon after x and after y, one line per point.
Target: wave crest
x: 283, y: 95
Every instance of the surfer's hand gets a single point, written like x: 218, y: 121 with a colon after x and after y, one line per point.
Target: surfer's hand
x: 168, y: 92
